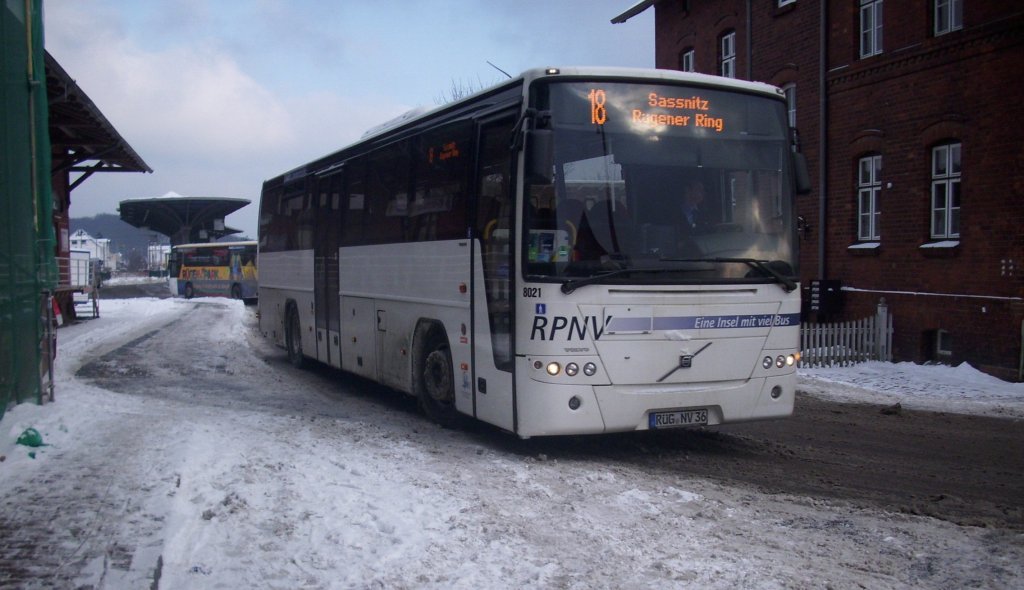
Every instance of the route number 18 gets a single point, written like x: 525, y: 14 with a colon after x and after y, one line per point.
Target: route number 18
x: 598, y: 113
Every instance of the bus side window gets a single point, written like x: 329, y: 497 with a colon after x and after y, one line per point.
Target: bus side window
x: 355, y: 215
x: 438, y: 209
x: 387, y: 193
x: 291, y: 207
x: 271, y: 236
x: 306, y: 221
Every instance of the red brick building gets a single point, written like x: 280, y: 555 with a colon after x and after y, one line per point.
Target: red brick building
x: 919, y: 198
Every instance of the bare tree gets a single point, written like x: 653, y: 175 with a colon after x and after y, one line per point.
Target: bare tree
x: 458, y: 90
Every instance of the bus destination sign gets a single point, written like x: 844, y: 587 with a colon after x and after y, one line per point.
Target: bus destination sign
x: 447, y: 151
x: 659, y: 110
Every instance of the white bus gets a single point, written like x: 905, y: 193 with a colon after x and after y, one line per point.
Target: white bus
x: 576, y: 250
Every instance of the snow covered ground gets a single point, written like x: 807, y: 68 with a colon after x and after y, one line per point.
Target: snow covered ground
x: 133, y: 279
x: 183, y: 452
x: 962, y: 389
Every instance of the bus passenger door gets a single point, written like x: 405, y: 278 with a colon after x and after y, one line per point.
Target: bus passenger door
x: 494, y: 399
x: 325, y: 282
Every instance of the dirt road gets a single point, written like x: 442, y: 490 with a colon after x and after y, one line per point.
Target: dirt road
x: 964, y: 469
x: 126, y: 290
x: 185, y: 449
x: 968, y: 470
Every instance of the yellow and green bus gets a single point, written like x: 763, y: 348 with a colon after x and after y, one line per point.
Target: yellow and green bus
x: 218, y: 269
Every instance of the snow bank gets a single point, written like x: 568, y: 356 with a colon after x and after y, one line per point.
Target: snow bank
x: 961, y: 389
x: 133, y: 280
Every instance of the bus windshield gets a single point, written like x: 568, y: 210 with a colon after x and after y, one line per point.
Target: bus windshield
x: 662, y: 183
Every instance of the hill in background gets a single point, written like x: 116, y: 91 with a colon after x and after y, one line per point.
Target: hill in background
x: 124, y: 238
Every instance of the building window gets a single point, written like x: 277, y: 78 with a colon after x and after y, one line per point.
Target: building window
x: 946, y: 191
x: 790, y: 92
x: 785, y: 2
x: 869, y: 185
x: 686, y: 60
x: 870, y: 27
x: 728, y: 61
x: 943, y: 343
x: 949, y: 16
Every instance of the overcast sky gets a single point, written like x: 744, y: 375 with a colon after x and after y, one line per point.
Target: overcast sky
x: 218, y: 96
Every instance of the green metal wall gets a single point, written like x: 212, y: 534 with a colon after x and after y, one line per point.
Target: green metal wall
x: 27, y: 264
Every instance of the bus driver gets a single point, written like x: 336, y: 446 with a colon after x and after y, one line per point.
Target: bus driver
x: 693, y: 215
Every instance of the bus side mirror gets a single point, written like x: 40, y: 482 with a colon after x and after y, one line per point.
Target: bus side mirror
x: 540, y: 156
x: 803, y: 177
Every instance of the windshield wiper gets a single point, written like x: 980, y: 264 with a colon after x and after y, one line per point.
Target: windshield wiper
x: 573, y: 284
x: 761, y: 265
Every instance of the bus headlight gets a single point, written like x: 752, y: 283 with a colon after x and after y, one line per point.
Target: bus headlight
x: 572, y: 369
x: 589, y: 369
x: 553, y: 369
x: 781, y: 361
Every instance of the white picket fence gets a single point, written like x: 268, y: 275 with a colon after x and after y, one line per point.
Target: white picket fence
x: 847, y: 343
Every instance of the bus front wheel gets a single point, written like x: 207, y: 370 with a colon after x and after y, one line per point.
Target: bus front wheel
x: 236, y: 291
x: 293, y: 338
x: 437, y: 385
x: 190, y: 292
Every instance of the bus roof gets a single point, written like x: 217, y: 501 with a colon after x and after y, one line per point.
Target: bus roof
x: 637, y: 74
x: 626, y: 74
x: 419, y: 114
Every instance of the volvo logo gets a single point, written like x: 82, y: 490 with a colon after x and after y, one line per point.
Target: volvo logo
x: 685, y: 362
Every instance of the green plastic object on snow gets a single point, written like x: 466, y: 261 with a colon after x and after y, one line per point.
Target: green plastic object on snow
x: 31, y: 438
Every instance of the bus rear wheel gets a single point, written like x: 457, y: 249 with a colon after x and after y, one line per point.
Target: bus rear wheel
x: 190, y: 292
x: 437, y: 385
x: 293, y: 338
x: 236, y: 291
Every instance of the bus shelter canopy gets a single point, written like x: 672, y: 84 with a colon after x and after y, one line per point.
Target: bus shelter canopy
x: 183, y: 219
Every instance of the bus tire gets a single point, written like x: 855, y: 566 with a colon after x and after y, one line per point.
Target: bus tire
x: 190, y: 292
x: 236, y: 291
x: 293, y: 338
x: 437, y: 383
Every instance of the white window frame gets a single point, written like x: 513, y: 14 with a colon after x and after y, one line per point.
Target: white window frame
x: 790, y: 91
x: 727, y: 66
x: 785, y: 2
x: 946, y: 172
x: 869, y: 187
x: 948, y: 16
x: 943, y: 343
x: 870, y: 28
x: 687, y: 62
